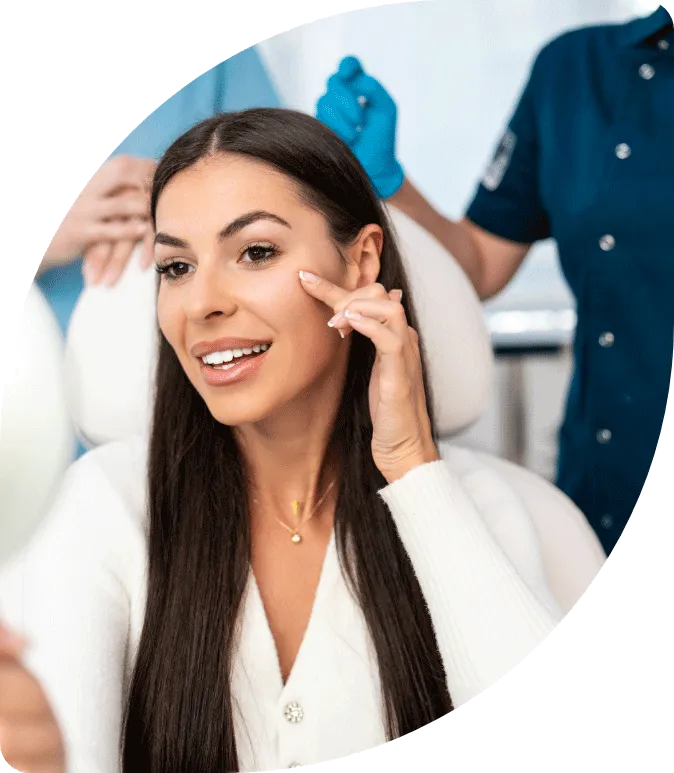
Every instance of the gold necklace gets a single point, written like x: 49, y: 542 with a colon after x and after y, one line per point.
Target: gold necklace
x: 295, y: 535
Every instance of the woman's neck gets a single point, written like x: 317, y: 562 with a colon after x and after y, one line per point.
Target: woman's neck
x: 288, y: 457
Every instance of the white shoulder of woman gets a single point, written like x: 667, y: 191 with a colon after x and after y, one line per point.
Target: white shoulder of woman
x: 476, y: 554
x: 71, y: 593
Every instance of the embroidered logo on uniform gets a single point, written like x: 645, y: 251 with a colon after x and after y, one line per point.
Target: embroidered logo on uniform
x: 497, y: 169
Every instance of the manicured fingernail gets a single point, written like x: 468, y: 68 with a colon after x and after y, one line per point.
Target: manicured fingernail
x: 90, y: 277
x: 110, y: 278
x: 341, y: 333
x: 350, y: 314
x: 307, y: 276
x: 399, y: 293
x: 337, y: 318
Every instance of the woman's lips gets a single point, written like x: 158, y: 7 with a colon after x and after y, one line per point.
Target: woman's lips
x: 237, y: 370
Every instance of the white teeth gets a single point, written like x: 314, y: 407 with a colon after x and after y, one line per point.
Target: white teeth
x: 217, y: 358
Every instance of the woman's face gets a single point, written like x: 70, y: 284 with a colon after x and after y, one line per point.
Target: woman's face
x: 232, y: 236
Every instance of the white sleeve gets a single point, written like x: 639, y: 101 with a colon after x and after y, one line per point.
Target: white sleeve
x: 67, y: 594
x: 488, y: 612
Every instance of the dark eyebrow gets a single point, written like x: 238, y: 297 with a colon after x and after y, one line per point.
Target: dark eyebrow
x: 245, y: 220
x: 170, y: 241
x: 234, y: 227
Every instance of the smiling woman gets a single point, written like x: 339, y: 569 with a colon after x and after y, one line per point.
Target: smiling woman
x: 289, y: 549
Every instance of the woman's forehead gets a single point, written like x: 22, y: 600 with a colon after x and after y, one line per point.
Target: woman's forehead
x: 201, y: 201
x: 228, y: 182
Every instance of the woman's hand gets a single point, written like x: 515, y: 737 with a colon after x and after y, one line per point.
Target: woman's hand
x: 30, y: 740
x: 111, y: 210
x: 401, y: 436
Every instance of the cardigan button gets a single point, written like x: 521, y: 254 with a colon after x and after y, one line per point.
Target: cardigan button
x: 294, y: 712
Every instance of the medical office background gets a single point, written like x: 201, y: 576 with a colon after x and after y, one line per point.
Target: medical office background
x: 455, y: 71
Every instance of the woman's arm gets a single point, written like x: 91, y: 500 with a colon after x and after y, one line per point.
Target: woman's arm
x: 489, y: 609
x: 68, y: 596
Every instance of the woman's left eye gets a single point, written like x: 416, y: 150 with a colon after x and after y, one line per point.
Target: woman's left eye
x: 260, y: 253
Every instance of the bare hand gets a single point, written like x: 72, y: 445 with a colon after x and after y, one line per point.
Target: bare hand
x: 30, y: 739
x: 401, y: 429
x: 113, y: 207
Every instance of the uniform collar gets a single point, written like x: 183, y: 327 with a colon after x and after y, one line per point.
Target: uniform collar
x: 635, y: 32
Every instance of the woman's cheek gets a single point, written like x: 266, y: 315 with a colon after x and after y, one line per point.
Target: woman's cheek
x: 164, y: 317
x: 171, y: 322
x: 280, y: 299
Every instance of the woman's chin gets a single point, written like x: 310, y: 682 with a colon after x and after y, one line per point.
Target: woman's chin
x: 237, y: 416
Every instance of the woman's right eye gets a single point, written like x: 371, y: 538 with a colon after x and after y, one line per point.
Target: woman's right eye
x: 174, y: 270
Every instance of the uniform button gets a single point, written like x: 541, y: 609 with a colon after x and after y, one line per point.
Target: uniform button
x: 623, y: 150
x: 294, y: 712
x: 604, y: 436
x: 606, y: 521
x: 647, y: 71
x: 606, y: 339
x: 607, y: 242
x: 663, y: 45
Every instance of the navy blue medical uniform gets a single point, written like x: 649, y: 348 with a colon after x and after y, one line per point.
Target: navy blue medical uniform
x: 588, y: 159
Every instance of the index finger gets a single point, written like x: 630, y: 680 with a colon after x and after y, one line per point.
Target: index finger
x: 124, y: 171
x: 322, y: 289
x: 141, y: 172
x: 349, y: 68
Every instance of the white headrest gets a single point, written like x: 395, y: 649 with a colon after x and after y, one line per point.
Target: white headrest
x: 110, y: 357
x: 458, y: 347
x: 111, y: 343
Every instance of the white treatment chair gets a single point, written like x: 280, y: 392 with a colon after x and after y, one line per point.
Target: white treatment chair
x: 110, y: 360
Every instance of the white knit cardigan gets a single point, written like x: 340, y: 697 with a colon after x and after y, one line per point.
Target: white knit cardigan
x: 78, y: 594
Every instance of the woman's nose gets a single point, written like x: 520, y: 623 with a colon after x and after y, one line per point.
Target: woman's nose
x: 209, y: 294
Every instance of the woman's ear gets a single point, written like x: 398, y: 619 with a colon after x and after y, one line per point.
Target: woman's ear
x: 364, y: 255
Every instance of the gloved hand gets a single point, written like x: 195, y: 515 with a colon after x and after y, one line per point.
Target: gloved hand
x: 363, y: 114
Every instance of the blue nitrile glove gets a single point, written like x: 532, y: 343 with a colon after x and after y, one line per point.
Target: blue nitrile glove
x: 361, y: 112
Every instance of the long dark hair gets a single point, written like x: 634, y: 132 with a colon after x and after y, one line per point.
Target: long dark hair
x: 179, y: 714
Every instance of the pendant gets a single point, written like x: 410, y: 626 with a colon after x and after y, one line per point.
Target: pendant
x: 296, y: 538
